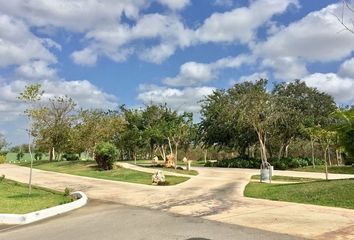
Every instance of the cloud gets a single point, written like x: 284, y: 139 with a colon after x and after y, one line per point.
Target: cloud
x: 347, y: 68
x: 84, y: 93
x: 86, y: 57
x: 341, y: 88
x: 175, y: 4
x: 193, y: 73
x: 253, y: 77
x: 36, y: 70
x: 19, y: 46
x: 76, y: 16
x: 240, y: 24
x: 317, y: 37
x: 187, y: 99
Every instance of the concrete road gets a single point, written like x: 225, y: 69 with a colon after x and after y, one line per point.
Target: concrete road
x: 104, y: 220
x: 215, y: 194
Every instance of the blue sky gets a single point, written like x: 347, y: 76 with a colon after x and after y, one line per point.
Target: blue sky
x: 104, y: 53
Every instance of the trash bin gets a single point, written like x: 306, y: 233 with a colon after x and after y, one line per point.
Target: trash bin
x: 266, y: 173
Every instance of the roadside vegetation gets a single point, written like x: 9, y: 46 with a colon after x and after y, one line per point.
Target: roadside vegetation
x: 90, y: 169
x: 14, y: 198
x: 333, y: 193
x: 286, y: 178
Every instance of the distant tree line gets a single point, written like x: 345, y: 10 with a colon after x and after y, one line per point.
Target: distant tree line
x: 250, y: 120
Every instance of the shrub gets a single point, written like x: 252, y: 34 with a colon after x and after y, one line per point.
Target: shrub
x: 19, y: 156
x: 38, y: 156
x: 70, y: 157
x: 106, y: 154
x: 2, y: 159
x: 67, y: 191
x: 2, y: 177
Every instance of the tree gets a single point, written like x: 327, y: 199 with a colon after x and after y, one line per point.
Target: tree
x: 53, y: 124
x: 301, y: 106
x: 344, y: 126
x: 220, y: 124
x: 3, y: 142
x: 257, y: 108
x: 31, y: 95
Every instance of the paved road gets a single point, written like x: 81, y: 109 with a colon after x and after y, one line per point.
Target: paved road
x: 102, y: 220
x: 215, y: 194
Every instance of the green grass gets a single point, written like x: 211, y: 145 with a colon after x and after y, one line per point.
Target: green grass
x: 14, y: 198
x: 333, y: 193
x: 286, y: 178
x: 89, y: 169
x: 191, y: 172
x: 331, y: 169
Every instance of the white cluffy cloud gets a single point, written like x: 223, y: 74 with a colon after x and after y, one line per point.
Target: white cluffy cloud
x: 175, y: 4
x: 317, y: 37
x: 187, y: 99
x: 347, y: 68
x: 193, y: 73
x: 341, y: 88
x: 241, y: 24
x: 18, y: 45
x: 84, y: 93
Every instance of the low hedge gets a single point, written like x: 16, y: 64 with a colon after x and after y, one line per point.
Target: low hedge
x: 279, y: 164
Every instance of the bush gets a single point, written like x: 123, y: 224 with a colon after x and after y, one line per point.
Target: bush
x: 2, y: 177
x: 106, y: 154
x: 279, y: 164
x: 38, y: 156
x: 2, y: 159
x: 70, y: 157
x: 19, y: 156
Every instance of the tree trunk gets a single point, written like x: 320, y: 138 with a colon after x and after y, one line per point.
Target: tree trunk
x: 312, y: 152
x: 50, y: 153
x: 170, y: 145
x: 176, y: 155
x: 287, y: 150
x: 329, y: 156
x: 280, y: 151
x: 205, y: 155
x: 31, y: 167
x: 325, y: 158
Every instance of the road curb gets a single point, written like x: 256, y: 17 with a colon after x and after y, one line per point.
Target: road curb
x: 45, y: 213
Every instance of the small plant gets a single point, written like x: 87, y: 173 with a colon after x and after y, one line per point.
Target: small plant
x: 19, y: 156
x: 2, y: 159
x: 70, y: 157
x: 2, y: 177
x: 67, y: 191
x: 106, y: 154
x: 38, y: 156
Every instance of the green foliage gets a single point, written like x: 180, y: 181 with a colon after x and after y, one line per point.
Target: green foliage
x: 38, y: 156
x: 67, y: 191
x: 2, y: 177
x: 279, y: 164
x: 106, y: 154
x: 2, y: 159
x: 70, y: 157
x: 19, y: 156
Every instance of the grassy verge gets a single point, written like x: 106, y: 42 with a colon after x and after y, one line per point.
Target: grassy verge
x: 89, y: 169
x: 286, y: 178
x: 334, y: 193
x: 191, y: 172
x: 14, y: 198
x: 331, y: 169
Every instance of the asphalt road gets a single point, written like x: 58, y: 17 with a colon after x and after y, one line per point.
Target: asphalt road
x: 104, y: 220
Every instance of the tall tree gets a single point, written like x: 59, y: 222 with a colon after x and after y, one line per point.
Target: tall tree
x: 31, y: 95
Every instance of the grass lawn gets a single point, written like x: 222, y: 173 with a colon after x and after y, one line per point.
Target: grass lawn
x: 286, y: 178
x: 334, y: 193
x: 191, y: 172
x: 14, y: 198
x: 89, y: 169
x: 331, y: 169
